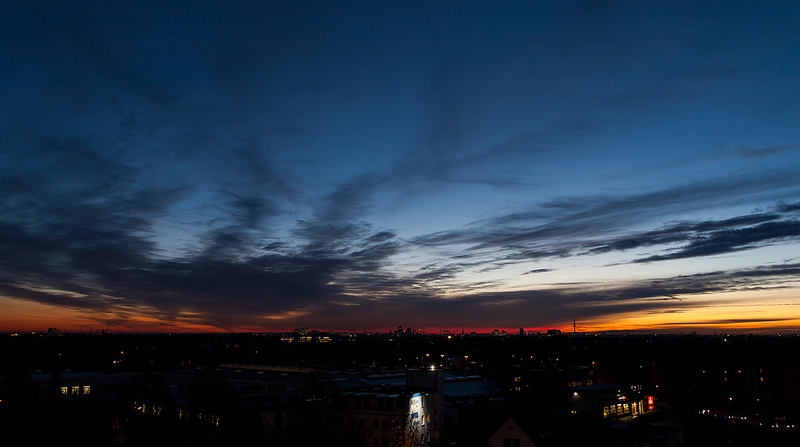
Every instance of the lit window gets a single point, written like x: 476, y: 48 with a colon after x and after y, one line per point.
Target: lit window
x: 87, y: 389
x: 75, y: 390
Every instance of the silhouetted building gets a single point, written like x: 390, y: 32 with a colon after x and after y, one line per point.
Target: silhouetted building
x: 510, y: 435
x: 373, y: 409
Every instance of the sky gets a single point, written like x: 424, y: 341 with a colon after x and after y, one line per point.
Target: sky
x: 261, y: 166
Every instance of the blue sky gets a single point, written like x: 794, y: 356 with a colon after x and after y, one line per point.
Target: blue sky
x: 269, y: 165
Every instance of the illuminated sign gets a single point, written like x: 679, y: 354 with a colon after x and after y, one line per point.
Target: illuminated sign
x: 419, y: 414
x: 416, y: 401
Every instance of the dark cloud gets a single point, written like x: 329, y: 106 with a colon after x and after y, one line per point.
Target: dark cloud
x: 695, y: 238
x: 425, y: 307
x: 537, y: 271
x: 87, y: 244
x: 720, y: 322
x: 783, y: 207
x: 728, y: 241
x: 593, y: 225
x: 746, y: 152
x: 709, y: 237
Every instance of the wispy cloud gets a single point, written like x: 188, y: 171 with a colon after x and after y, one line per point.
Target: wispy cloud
x: 746, y: 152
x: 598, y: 225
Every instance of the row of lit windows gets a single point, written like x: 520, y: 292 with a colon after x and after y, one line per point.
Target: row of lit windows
x: 305, y: 339
x: 209, y: 419
x: 76, y: 390
x: 621, y: 409
x: 154, y: 410
x: 183, y: 415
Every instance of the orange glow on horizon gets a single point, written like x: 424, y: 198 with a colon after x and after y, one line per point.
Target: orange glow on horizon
x: 760, y: 311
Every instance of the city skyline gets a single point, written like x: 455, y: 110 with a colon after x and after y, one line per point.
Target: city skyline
x: 271, y: 165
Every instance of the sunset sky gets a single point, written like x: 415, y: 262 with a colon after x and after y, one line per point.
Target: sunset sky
x: 262, y: 166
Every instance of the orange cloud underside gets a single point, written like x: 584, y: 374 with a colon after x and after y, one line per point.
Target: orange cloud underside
x: 26, y: 316
x: 760, y: 311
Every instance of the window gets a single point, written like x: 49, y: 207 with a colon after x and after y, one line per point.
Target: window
x: 376, y: 423
x: 87, y: 389
x: 510, y: 442
x: 75, y: 390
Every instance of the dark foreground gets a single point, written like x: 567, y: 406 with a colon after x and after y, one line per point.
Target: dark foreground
x: 311, y: 388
